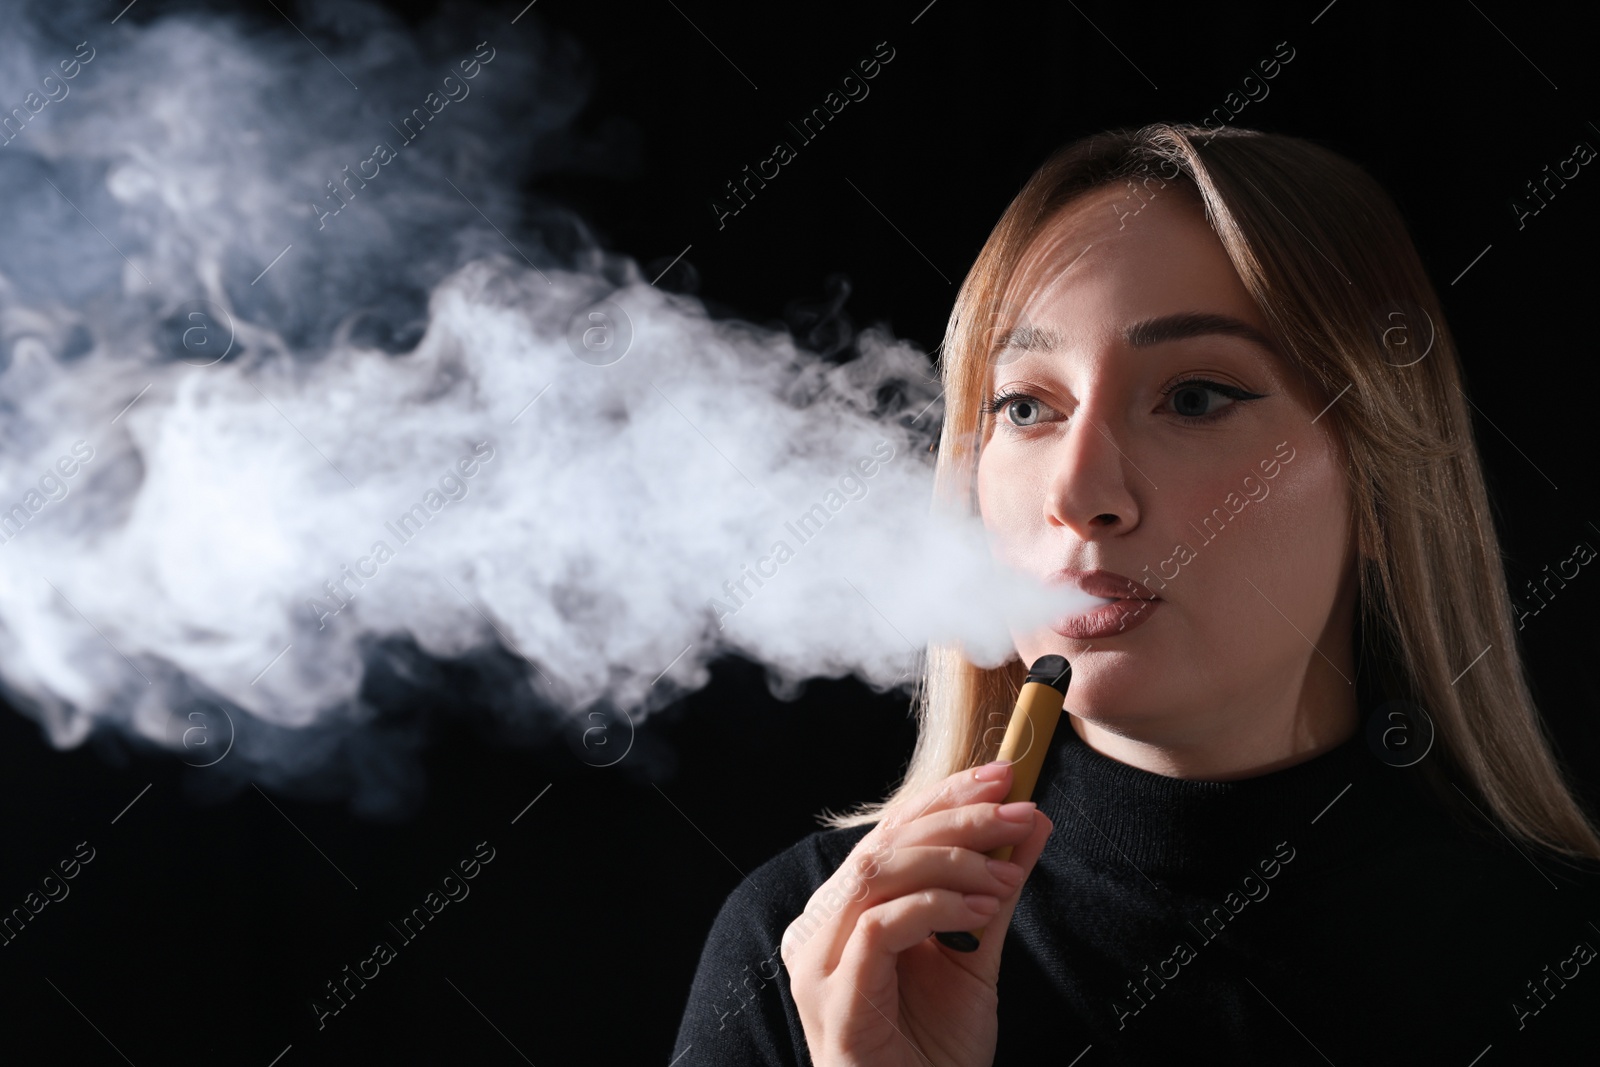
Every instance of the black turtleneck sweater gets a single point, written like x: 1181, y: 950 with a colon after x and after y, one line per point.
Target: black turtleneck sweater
x: 1328, y: 913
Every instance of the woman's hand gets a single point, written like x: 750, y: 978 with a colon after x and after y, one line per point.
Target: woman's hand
x: 872, y: 987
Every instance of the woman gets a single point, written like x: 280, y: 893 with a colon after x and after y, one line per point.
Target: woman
x: 1306, y: 811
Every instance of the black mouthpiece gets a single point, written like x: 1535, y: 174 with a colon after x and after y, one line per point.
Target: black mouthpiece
x: 1053, y: 671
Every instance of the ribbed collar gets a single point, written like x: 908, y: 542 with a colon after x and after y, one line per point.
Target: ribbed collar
x: 1193, y: 832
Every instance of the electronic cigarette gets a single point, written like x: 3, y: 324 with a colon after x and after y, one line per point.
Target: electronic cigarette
x: 1028, y: 734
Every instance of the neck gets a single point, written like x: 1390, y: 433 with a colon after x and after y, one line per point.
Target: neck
x: 1314, y: 709
x: 1239, y: 741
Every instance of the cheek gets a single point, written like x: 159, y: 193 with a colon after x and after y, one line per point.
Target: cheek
x: 1006, y: 496
x: 1306, y: 517
x: 1321, y: 525
x: 1283, y: 572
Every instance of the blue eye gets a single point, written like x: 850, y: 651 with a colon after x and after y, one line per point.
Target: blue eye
x: 1017, y: 406
x: 1190, y: 400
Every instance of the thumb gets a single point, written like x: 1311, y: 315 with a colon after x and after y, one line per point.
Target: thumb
x: 987, y: 959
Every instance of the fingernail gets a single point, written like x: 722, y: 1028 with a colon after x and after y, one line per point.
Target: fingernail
x: 1017, y: 811
x: 991, y: 772
x: 1008, y: 872
x: 983, y: 905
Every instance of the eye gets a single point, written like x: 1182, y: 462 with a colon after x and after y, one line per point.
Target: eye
x: 1020, y: 409
x: 1191, y: 402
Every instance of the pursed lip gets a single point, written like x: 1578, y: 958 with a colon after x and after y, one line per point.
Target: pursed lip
x: 1107, y: 584
x: 1131, y: 604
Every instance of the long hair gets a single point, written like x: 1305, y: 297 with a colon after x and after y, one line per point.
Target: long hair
x: 1325, y: 255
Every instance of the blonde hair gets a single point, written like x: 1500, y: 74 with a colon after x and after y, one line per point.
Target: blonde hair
x: 1325, y: 255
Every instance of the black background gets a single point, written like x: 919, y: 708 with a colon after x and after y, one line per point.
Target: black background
x: 201, y: 930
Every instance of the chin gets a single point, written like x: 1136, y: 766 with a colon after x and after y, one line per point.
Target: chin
x: 1107, y: 682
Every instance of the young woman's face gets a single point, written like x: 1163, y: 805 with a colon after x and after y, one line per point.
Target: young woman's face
x: 1154, y: 433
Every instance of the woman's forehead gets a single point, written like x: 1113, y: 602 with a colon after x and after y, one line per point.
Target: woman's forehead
x: 1090, y: 271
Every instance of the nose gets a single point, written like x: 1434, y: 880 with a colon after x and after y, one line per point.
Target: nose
x: 1090, y: 492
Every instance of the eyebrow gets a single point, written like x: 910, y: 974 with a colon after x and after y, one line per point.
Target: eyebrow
x: 1146, y: 333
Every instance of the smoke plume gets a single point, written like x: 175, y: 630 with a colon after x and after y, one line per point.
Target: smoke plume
x: 303, y: 398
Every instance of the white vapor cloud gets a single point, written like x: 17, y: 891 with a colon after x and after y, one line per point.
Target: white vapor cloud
x: 241, y: 429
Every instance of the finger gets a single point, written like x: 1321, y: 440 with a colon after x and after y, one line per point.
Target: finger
x: 985, y: 784
x: 831, y: 910
x: 959, y: 836
x: 986, y: 960
x: 964, y: 870
x: 884, y: 931
x: 980, y: 827
x: 989, y: 782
